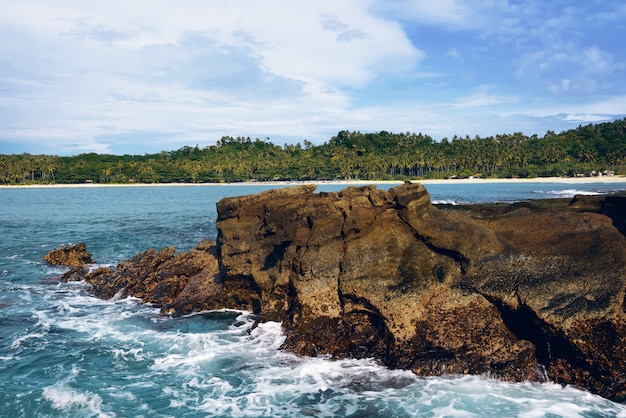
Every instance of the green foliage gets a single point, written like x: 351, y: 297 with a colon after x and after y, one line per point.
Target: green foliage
x: 348, y: 155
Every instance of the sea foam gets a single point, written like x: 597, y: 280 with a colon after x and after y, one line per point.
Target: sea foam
x: 71, y: 401
x: 567, y: 193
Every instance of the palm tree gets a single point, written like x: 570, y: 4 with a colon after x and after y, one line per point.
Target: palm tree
x: 51, y: 167
x: 106, y: 173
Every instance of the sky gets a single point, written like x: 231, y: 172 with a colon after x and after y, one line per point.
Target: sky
x: 144, y: 76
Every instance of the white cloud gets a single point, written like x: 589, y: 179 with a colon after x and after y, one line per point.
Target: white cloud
x: 596, y: 61
x: 193, y: 68
x: 455, y: 53
x: 92, y: 75
x: 451, y: 14
x: 595, y: 110
x: 480, y: 98
x: 612, y: 105
x: 614, y: 11
x: 586, y: 118
x: 291, y: 40
x: 562, y: 86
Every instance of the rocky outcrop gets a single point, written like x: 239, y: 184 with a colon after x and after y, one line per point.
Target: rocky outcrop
x: 76, y: 257
x: 72, y: 256
x: 365, y: 273
x: 180, y: 283
x: 521, y: 292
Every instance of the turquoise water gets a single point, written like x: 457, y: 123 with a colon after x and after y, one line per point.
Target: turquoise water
x: 64, y: 353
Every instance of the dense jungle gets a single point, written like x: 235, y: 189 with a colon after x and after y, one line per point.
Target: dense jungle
x: 594, y: 149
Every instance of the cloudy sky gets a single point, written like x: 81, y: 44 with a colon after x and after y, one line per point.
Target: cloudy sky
x: 142, y: 76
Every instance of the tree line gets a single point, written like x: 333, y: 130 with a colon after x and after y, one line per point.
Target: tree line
x: 594, y: 148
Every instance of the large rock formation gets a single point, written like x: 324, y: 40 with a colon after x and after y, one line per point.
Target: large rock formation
x: 366, y: 273
x: 519, y: 292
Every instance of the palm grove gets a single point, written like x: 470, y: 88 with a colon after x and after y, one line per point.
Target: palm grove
x: 348, y: 155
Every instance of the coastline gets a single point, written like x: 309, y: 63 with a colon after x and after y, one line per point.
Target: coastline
x: 562, y: 180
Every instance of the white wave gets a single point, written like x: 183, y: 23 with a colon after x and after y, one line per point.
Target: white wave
x: 189, y: 350
x: 488, y: 397
x: 20, y: 341
x: 118, y: 296
x: 242, y: 314
x: 218, y: 363
x: 237, y: 371
x: 43, y: 321
x: 66, y: 308
x: 567, y: 193
x: 68, y: 400
x: 35, y: 335
x: 268, y: 335
x: 55, y: 270
x: 326, y: 388
x: 445, y: 202
x: 128, y: 355
x: 190, y: 358
x: 96, y: 266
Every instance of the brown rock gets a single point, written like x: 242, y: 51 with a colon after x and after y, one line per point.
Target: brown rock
x: 513, y: 291
x: 364, y: 273
x: 75, y: 274
x: 75, y: 256
x: 154, y: 276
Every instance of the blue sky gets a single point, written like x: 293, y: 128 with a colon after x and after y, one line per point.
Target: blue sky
x: 142, y: 76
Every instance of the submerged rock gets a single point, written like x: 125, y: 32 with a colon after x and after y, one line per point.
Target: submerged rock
x: 521, y: 292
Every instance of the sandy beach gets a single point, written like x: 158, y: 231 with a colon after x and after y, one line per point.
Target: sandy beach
x: 562, y: 180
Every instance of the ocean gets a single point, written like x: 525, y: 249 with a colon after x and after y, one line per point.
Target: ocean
x: 64, y: 353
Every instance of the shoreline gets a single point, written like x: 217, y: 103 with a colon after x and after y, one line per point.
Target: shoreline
x: 560, y: 180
